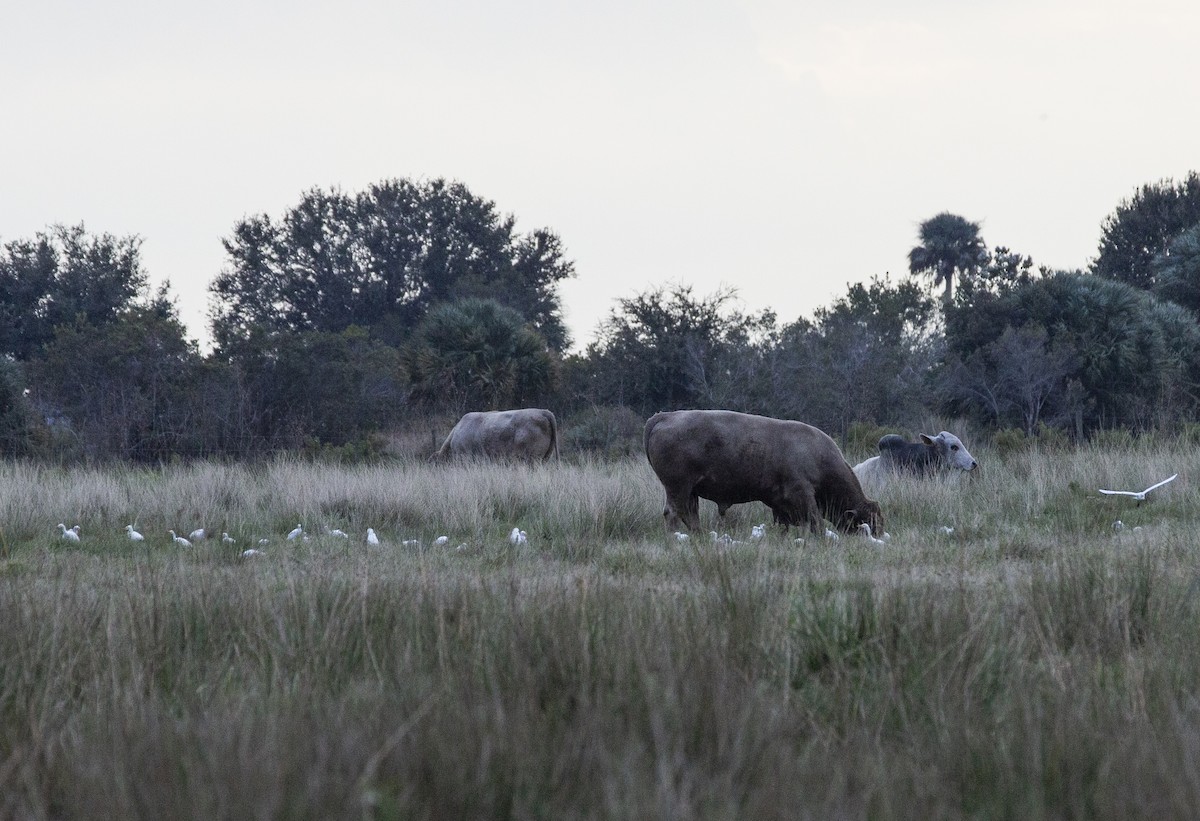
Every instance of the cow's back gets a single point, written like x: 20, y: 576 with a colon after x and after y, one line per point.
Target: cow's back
x: 524, y: 433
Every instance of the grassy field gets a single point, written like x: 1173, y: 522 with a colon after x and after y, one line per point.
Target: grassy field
x: 1034, y: 663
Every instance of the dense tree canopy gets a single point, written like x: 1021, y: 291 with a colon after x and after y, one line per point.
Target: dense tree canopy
x: 1176, y: 270
x: 381, y: 259
x: 314, y: 387
x: 1136, y: 358
x: 664, y: 348
x: 61, y: 274
x: 124, y: 389
x: 1143, y: 226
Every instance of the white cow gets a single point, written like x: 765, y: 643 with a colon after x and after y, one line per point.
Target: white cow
x: 930, y: 455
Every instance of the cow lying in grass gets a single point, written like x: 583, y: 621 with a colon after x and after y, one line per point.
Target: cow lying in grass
x: 932, y: 454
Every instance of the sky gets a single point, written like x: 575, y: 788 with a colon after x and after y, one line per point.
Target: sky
x: 786, y: 149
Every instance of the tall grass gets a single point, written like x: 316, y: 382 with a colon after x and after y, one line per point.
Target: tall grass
x: 1034, y: 662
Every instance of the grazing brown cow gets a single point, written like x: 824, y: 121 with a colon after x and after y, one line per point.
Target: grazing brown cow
x: 526, y: 433
x: 730, y: 458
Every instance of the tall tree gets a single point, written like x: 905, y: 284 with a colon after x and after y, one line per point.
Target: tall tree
x: 1143, y: 226
x: 950, y: 245
x: 381, y: 259
x: 64, y: 273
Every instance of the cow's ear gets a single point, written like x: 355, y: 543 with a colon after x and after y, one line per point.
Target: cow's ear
x: 849, y: 518
x: 927, y: 439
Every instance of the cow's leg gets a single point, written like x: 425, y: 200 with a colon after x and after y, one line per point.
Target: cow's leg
x: 810, y: 513
x: 692, y: 519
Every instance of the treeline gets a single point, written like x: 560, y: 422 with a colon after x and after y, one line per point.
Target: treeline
x: 353, y: 315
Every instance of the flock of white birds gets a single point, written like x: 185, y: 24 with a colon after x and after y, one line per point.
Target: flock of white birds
x: 520, y: 537
x: 75, y: 534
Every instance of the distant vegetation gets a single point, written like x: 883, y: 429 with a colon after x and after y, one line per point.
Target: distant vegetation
x: 355, y: 318
x: 1034, y: 662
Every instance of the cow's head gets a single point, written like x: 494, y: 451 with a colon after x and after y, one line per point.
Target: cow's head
x: 868, y: 512
x: 951, y: 451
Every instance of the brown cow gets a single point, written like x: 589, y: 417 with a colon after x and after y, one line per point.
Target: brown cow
x: 526, y: 433
x: 730, y: 458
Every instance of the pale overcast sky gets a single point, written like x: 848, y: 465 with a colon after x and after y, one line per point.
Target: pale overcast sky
x: 783, y: 148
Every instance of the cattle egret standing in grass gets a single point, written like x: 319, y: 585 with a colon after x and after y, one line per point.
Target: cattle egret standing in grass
x: 246, y: 554
x: 297, y: 533
x: 70, y: 534
x: 340, y: 534
x: 1140, y: 495
x: 758, y: 532
x: 227, y: 539
x: 197, y: 535
x: 680, y: 536
x: 179, y: 540
x: 442, y: 540
x: 134, y: 536
x: 866, y: 531
x: 372, y: 539
x: 518, y: 536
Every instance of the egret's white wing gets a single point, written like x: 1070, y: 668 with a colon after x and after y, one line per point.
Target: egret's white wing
x: 1160, y: 484
x: 1121, y: 492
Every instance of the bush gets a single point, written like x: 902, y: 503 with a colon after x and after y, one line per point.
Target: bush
x: 606, y: 430
x: 1114, y: 438
x: 1009, y: 440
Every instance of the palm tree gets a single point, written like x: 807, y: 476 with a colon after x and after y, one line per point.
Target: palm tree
x: 949, y: 245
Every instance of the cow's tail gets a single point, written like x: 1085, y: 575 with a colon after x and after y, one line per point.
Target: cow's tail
x: 553, y: 452
x: 444, y: 451
x: 651, y: 424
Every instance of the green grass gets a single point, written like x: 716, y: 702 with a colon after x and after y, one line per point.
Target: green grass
x: 1034, y: 663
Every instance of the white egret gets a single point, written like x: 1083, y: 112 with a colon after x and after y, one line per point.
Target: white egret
x: 372, y: 539
x: 297, y: 533
x: 197, y: 535
x: 441, y: 540
x: 252, y: 552
x: 341, y: 534
x: 866, y: 531
x: 179, y: 540
x: 758, y: 532
x: 70, y: 534
x: 518, y: 536
x: 680, y: 536
x: 134, y: 536
x: 227, y: 539
x: 1140, y: 495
